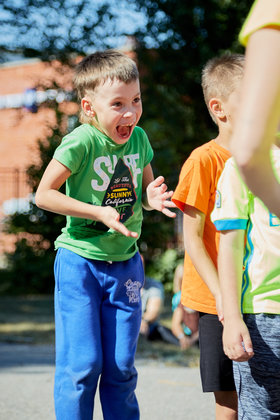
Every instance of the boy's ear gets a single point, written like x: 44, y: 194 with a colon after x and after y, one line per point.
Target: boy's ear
x: 87, y: 107
x: 216, y: 108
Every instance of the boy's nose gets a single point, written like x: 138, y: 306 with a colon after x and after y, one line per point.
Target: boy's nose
x: 128, y: 111
x: 128, y: 114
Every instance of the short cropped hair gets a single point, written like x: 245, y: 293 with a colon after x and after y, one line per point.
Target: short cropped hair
x: 220, y: 77
x: 96, y: 68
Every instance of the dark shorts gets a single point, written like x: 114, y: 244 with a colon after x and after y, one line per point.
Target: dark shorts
x: 215, y: 367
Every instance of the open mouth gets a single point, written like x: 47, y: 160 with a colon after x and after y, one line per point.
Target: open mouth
x: 124, y: 131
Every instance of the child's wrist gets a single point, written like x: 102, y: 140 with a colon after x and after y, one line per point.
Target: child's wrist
x: 145, y: 202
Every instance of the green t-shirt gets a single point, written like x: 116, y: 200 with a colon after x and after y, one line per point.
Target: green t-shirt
x: 237, y: 208
x: 103, y: 173
x: 263, y: 13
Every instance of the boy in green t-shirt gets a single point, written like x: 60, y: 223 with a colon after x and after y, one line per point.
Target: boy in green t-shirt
x: 105, y: 163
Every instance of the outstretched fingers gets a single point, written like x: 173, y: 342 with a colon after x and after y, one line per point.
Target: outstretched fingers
x: 159, y: 197
x: 158, y: 182
x: 166, y: 205
x: 111, y: 218
x: 121, y: 228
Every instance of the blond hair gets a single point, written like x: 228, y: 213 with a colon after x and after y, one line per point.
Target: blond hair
x: 221, y: 76
x: 96, y: 68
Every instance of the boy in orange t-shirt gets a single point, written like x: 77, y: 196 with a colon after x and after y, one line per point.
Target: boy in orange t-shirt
x: 195, y: 196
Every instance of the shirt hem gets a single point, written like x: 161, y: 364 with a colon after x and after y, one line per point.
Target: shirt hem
x: 198, y: 307
x: 270, y: 310
x: 98, y: 257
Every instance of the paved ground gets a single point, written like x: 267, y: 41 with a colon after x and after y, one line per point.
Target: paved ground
x: 164, y: 392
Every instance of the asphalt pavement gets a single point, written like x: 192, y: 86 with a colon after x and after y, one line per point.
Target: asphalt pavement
x: 164, y: 392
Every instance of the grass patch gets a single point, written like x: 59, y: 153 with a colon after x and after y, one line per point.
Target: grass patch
x: 30, y: 320
x: 169, y: 354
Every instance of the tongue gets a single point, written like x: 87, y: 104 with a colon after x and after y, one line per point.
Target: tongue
x: 123, y: 130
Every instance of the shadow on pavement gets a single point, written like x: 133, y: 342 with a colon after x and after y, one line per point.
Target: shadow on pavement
x: 13, y: 355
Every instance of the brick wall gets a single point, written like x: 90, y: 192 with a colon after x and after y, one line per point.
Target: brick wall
x: 20, y: 128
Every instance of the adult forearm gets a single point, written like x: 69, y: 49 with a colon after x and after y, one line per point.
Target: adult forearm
x: 258, y: 116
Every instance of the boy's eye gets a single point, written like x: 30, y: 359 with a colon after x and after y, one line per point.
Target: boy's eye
x: 117, y: 104
x: 136, y: 100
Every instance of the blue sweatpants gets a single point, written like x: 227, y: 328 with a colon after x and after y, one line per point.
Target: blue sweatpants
x: 97, y: 317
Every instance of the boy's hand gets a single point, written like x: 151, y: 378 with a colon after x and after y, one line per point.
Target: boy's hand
x: 237, y: 341
x: 185, y: 342
x: 144, y: 328
x: 110, y: 217
x: 158, y: 197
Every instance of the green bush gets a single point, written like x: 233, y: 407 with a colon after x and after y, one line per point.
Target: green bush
x: 28, y: 270
x: 162, y: 267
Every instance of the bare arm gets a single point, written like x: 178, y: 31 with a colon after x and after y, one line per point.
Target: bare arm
x: 194, y: 221
x: 50, y: 198
x: 230, y: 264
x: 177, y: 329
x: 153, y: 309
x: 258, y: 116
x: 148, y: 177
x: 177, y: 319
x: 151, y: 313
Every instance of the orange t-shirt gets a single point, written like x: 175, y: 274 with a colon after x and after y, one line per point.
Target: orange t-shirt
x: 197, y: 187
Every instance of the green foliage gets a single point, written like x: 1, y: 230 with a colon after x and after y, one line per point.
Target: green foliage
x: 162, y: 267
x: 184, y: 35
x: 177, y: 40
x: 59, y: 28
x: 56, y: 27
x: 29, y: 269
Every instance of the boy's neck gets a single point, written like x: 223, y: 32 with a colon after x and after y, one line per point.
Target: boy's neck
x: 223, y: 139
